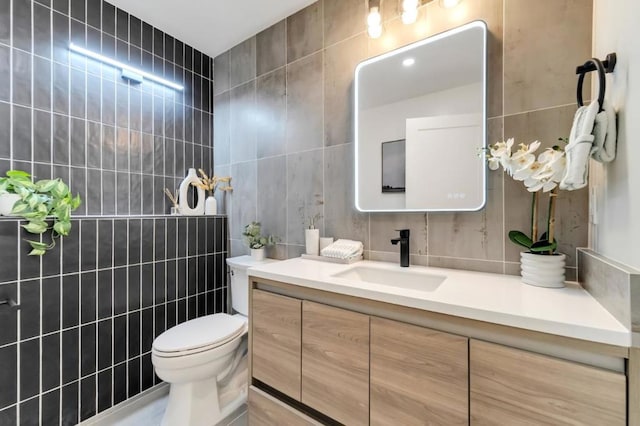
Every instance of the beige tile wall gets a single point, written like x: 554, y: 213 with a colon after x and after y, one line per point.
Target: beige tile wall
x: 283, y: 125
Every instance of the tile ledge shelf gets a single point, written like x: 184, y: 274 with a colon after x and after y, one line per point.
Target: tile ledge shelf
x: 141, y: 216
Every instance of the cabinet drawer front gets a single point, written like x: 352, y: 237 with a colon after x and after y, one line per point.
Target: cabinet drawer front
x: 276, y: 341
x: 335, y: 362
x: 265, y: 410
x: 418, y: 375
x: 514, y: 387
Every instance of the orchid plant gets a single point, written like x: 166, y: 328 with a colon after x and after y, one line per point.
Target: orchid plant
x: 538, y: 174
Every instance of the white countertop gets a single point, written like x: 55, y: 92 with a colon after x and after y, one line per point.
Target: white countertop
x: 494, y: 298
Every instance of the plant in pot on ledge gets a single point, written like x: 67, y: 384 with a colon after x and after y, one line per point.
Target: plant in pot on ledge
x: 45, y: 204
x: 256, y: 241
x: 541, y: 264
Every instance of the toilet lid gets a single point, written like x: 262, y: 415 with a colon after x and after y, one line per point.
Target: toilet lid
x: 199, y: 332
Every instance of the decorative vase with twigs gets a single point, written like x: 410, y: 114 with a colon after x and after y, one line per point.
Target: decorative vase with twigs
x: 210, y: 184
x: 541, y: 264
x: 173, y: 197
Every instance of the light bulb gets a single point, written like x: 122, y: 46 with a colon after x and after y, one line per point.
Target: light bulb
x: 409, y: 4
x: 374, y: 17
x: 408, y: 62
x: 449, y: 4
x: 409, y: 11
x: 374, y: 23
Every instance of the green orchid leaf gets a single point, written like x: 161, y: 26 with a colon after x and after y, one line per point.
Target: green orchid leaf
x: 519, y: 238
x: 543, y: 245
x: 62, y: 228
x: 37, y: 252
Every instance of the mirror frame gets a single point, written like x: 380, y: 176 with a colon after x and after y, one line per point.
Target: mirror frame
x: 401, y: 50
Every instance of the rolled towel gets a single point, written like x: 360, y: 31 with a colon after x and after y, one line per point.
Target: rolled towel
x: 343, y: 249
x: 605, y: 134
x: 579, y: 148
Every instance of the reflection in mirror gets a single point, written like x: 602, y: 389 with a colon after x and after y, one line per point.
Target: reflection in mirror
x: 393, y: 169
x: 420, y: 124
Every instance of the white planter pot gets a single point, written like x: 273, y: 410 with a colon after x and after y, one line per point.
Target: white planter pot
x: 542, y: 270
x: 6, y: 203
x: 210, y: 206
x: 257, y: 254
x: 312, y: 241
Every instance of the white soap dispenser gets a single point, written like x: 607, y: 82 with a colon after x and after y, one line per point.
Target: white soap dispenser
x: 185, y: 208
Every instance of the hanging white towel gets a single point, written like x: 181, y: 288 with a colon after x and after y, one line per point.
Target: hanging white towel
x: 579, y: 148
x: 605, y: 134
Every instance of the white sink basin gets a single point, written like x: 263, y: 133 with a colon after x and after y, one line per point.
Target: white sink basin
x: 412, y: 279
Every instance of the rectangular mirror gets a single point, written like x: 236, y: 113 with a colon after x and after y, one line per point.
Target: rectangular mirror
x: 420, y: 125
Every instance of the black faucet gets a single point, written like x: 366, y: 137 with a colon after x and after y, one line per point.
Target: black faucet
x: 404, y: 246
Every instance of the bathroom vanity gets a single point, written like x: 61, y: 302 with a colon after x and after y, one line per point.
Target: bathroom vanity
x: 373, y: 343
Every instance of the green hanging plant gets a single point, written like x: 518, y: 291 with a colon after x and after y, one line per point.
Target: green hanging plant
x: 46, y: 205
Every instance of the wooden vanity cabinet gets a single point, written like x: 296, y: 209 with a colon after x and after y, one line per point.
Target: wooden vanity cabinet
x: 515, y: 387
x: 418, y: 375
x: 329, y: 364
x: 276, y: 341
x: 335, y: 362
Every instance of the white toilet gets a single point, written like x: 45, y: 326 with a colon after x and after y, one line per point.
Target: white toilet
x: 204, y: 359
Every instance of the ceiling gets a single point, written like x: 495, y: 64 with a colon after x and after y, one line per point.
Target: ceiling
x: 211, y: 26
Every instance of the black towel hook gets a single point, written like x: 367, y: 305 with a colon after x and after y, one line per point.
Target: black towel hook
x: 602, y: 82
x: 603, y: 67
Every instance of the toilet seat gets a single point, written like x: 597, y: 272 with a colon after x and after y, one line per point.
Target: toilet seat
x: 199, y: 335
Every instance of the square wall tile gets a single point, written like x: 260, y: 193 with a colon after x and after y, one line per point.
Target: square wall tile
x: 304, y: 32
x: 271, y: 109
x: 271, y: 48
x: 538, y: 71
x: 305, y: 104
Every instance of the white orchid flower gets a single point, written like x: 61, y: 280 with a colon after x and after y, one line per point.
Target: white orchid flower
x: 494, y: 163
x: 527, y: 171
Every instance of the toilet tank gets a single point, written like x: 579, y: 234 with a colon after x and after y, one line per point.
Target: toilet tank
x: 240, y: 281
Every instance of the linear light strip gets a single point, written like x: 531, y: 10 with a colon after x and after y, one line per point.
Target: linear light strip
x: 122, y: 66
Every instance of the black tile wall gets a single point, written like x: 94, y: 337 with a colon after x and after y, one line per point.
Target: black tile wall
x: 91, y: 307
x: 78, y: 114
x: 94, y: 326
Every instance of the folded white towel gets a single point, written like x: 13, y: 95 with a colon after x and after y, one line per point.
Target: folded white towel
x: 605, y: 134
x: 343, y: 249
x: 579, y: 148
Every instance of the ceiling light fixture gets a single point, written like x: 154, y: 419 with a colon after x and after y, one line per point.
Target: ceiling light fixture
x: 128, y: 72
x: 374, y: 20
x: 410, y: 11
x: 449, y: 4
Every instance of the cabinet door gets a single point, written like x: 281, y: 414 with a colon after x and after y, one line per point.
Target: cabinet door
x: 418, y: 375
x: 275, y: 334
x: 515, y: 387
x: 265, y: 410
x: 335, y: 362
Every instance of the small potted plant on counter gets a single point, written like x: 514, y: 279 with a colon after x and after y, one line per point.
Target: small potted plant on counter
x: 256, y: 241
x: 541, y: 264
x: 45, y: 204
